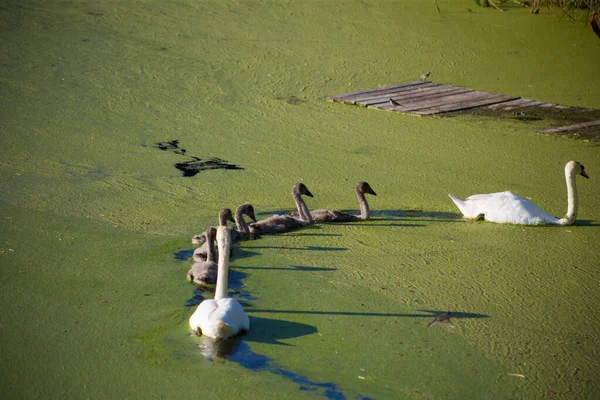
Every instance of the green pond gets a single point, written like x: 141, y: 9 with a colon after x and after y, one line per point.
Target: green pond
x: 96, y: 221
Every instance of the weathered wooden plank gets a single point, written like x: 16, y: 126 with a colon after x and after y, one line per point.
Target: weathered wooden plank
x: 432, y: 92
x: 386, y: 92
x: 466, y: 105
x: 342, y: 96
x: 419, y: 101
x: 441, y: 101
x: 403, y: 93
x: 571, y: 127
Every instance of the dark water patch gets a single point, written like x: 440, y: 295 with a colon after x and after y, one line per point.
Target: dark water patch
x: 171, y: 145
x: 260, y: 363
x: 293, y: 100
x: 197, y: 298
x: 266, y: 330
x: 197, y: 165
x: 524, y: 118
x: 184, y: 254
x: 235, y: 286
x: 555, y: 116
x: 238, y: 253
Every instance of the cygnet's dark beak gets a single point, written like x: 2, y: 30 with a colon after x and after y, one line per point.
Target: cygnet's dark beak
x: 584, y: 174
x: 252, y: 217
x: 232, y: 220
x: 308, y: 193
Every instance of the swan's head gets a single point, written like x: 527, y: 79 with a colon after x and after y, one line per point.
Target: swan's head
x: 364, y: 187
x: 575, y: 167
x: 224, y: 216
x: 199, y: 239
x: 248, y: 210
x: 300, y: 188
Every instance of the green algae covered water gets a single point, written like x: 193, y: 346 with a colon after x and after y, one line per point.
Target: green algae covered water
x: 96, y: 220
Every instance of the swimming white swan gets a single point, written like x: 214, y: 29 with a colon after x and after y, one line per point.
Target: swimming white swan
x: 284, y: 223
x: 222, y: 317
x: 340, y: 216
x: 506, y: 207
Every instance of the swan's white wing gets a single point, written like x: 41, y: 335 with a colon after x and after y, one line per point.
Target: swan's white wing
x: 504, y: 207
x: 200, y: 317
x: 220, y: 318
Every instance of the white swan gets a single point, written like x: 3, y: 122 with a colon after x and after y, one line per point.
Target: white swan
x: 284, y: 223
x: 222, y: 317
x: 506, y: 207
x: 340, y: 216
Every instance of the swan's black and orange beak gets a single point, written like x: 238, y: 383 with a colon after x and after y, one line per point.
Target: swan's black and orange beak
x: 582, y: 173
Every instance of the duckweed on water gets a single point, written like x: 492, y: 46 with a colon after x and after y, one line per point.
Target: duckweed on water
x: 91, y: 214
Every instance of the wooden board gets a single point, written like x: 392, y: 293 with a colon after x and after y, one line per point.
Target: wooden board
x: 424, y: 98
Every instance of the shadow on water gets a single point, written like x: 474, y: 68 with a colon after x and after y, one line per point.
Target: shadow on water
x: 236, y: 253
x: 311, y: 248
x: 266, y: 330
x: 301, y: 268
x: 314, y: 234
x: 428, y: 215
x: 197, y: 165
x: 428, y: 313
x: 586, y: 222
x: 236, y: 290
x: 184, y: 254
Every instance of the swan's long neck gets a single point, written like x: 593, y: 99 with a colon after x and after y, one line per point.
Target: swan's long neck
x: 210, y: 250
x: 223, y: 220
x: 364, y: 206
x: 224, y: 243
x: 240, y: 223
x: 572, y: 201
x: 303, y: 211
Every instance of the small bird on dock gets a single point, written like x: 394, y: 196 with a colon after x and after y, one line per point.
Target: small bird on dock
x: 394, y: 103
x: 424, y: 76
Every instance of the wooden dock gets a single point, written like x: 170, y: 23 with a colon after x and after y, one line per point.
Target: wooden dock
x: 429, y: 98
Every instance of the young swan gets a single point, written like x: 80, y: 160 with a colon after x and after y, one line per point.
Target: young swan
x: 205, y: 272
x: 200, y: 252
x: 224, y: 216
x: 243, y: 230
x: 222, y: 317
x: 284, y: 223
x: 339, y: 216
x: 506, y: 207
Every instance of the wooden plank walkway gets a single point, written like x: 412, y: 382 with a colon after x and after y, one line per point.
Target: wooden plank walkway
x: 429, y: 98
